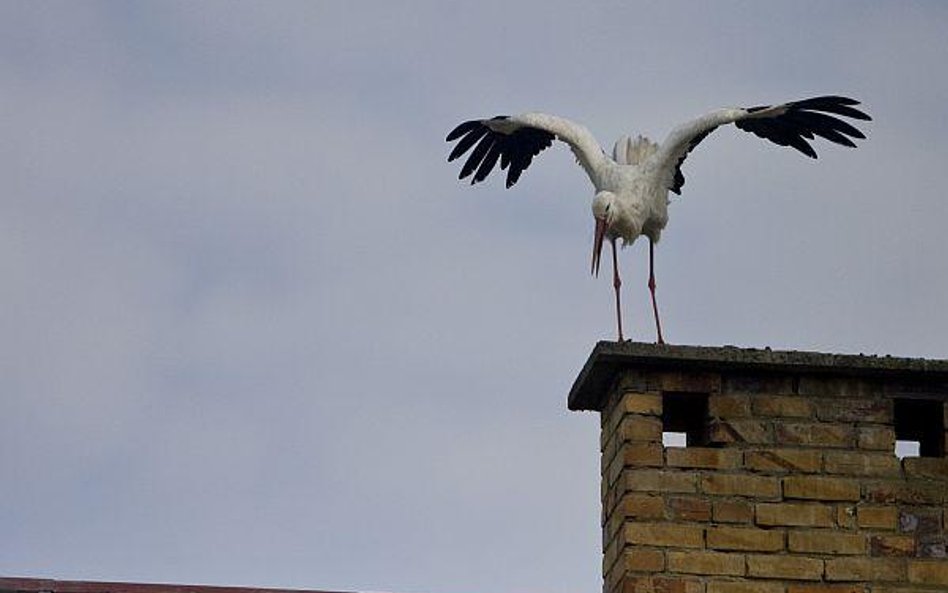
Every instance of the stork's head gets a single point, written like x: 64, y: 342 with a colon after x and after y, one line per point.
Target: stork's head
x: 604, y: 211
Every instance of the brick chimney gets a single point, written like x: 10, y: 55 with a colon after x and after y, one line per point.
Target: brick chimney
x: 785, y: 477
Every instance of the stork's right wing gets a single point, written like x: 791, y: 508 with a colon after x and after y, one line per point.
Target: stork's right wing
x: 787, y: 124
x: 514, y: 141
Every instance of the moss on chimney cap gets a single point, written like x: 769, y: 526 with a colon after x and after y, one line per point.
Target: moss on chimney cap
x: 610, y: 358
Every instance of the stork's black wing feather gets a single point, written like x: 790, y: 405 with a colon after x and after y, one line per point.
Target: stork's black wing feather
x: 794, y: 123
x: 515, y: 150
x: 679, y: 180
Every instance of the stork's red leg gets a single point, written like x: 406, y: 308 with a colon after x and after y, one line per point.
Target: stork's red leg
x: 651, y: 288
x: 616, y: 283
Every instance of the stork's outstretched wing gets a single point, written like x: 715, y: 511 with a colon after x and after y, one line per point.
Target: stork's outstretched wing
x: 789, y: 124
x: 514, y: 141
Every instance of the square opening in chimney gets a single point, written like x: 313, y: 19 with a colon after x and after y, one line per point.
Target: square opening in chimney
x: 919, y: 428
x: 684, y: 419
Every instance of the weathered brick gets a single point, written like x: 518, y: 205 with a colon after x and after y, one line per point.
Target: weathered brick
x: 814, y: 434
x: 634, y: 427
x: 664, y: 534
x: 777, y: 566
x: 826, y: 542
x: 641, y: 454
x: 744, y: 538
x: 757, y: 383
x: 820, y: 488
x: 861, y: 463
x: 729, y: 406
x: 877, y: 517
x: 638, y: 559
x: 907, y: 493
x: 741, y: 485
x: 794, y: 514
x: 838, y: 387
x: 782, y: 405
x: 928, y: 572
x: 732, y: 511
x: 641, y: 403
x: 740, y: 431
x: 641, y: 506
x: 689, y: 382
x: 675, y: 584
x: 846, y: 516
x: 688, y: 508
x: 821, y: 588
x: 784, y: 460
x: 651, y: 480
x: 635, y: 380
x: 708, y: 563
x: 876, y: 438
x: 755, y: 586
x: 854, y: 410
x: 865, y: 569
x: 935, y: 468
x: 701, y: 457
x: 892, y: 545
x: 610, y: 554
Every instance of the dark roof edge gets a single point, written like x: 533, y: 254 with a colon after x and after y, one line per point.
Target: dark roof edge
x: 608, y: 358
x: 36, y: 585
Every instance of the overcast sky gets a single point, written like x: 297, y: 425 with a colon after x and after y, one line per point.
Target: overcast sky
x: 253, y: 331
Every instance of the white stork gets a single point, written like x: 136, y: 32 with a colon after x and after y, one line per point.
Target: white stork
x: 632, y: 187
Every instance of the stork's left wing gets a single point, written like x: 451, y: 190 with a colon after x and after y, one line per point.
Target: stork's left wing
x: 788, y: 124
x: 515, y: 140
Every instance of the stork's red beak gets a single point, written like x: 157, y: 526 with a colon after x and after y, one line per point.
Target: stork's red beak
x: 597, y: 244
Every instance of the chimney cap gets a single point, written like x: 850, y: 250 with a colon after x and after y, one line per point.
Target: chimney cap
x: 609, y: 358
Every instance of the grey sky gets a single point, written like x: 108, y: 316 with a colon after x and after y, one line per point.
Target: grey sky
x: 255, y: 332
